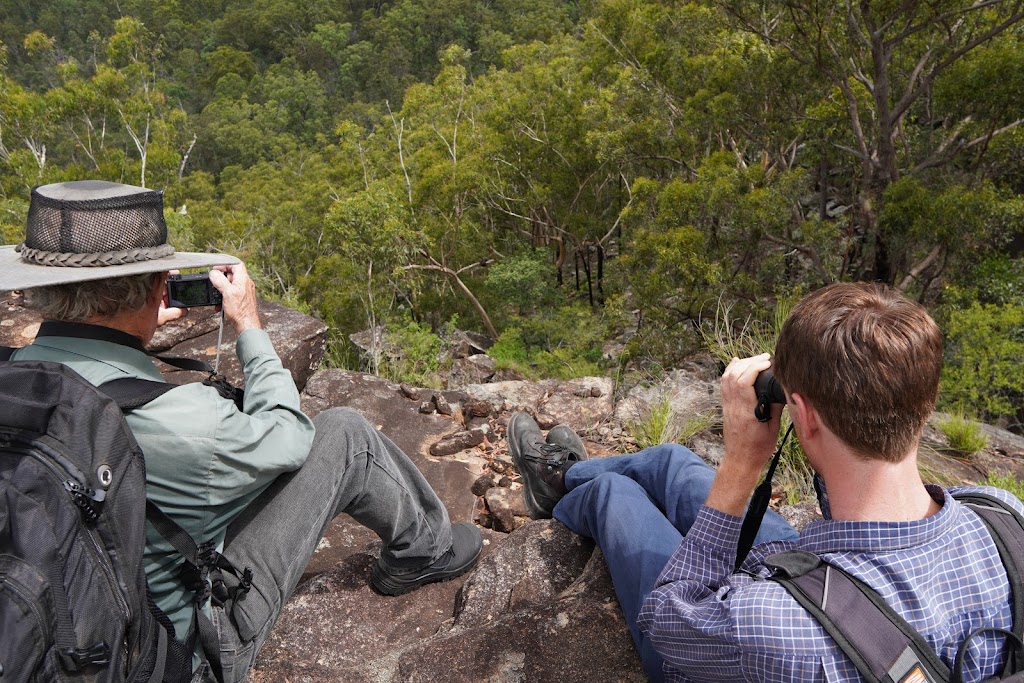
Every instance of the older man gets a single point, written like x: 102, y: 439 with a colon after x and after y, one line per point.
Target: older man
x: 259, y: 480
x: 860, y: 366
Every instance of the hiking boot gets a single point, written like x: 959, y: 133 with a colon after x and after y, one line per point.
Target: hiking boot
x: 566, y: 437
x: 542, y: 463
x: 460, y: 558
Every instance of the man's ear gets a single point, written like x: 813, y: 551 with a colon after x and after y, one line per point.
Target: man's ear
x: 157, y: 286
x: 805, y: 418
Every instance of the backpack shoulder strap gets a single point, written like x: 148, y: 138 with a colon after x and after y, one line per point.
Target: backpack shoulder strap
x: 1007, y: 529
x: 880, y: 643
x: 6, y: 352
x: 133, y: 392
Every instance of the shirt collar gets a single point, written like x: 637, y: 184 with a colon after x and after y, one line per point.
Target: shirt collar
x: 125, y: 359
x: 831, y: 536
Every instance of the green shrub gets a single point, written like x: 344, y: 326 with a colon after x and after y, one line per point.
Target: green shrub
x: 981, y: 370
x: 509, y: 351
x: 558, y: 343
x: 726, y: 338
x: 1007, y: 483
x: 965, y: 436
x: 413, y: 355
x: 656, y: 426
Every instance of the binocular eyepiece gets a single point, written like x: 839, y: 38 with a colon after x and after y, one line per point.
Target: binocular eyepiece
x: 768, y: 391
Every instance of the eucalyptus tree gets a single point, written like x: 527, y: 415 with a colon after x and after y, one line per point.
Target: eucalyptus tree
x: 898, y: 103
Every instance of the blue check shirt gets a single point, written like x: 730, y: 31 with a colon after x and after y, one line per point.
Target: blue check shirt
x: 942, y: 574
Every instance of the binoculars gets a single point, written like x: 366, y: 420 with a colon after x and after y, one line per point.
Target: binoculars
x: 768, y: 391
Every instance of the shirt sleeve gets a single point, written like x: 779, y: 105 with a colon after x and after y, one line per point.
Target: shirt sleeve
x: 270, y: 436
x: 686, y: 617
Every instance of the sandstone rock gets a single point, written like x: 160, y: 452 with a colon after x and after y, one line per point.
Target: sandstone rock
x: 443, y: 407
x: 299, y: 340
x: 426, y: 407
x: 372, y: 342
x: 482, y: 483
x: 463, y: 344
x: 196, y: 323
x: 555, y: 402
x: 456, y: 442
x: 476, y: 369
x: 476, y: 408
x: 539, y: 607
x: 688, y: 392
x: 455, y: 396
x: 499, y: 504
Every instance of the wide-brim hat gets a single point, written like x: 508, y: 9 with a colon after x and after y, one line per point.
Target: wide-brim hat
x: 93, y: 230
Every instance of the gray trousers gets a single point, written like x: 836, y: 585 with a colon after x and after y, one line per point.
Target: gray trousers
x: 351, y: 468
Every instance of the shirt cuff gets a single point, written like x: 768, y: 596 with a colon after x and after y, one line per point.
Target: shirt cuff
x: 253, y: 343
x: 714, y: 527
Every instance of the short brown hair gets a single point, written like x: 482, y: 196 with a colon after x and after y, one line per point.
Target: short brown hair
x: 868, y: 359
x: 82, y: 301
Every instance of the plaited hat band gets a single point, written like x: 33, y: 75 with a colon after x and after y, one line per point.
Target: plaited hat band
x: 93, y: 260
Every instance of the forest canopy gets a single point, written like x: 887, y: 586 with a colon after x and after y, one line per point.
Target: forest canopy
x: 556, y: 175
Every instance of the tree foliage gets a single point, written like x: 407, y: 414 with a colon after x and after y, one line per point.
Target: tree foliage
x: 524, y: 165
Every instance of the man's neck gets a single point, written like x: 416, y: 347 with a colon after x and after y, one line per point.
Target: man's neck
x: 875, y: 490
x: 130, y: 323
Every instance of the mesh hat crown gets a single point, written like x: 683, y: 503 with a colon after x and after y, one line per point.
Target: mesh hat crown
x: 91, y: 230
x: 93, y: 223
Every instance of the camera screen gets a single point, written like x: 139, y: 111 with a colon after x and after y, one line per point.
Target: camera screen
x: 192, y: 293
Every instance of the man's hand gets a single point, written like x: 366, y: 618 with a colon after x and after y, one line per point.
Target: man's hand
x: 166, y: 313
x: 749, y: 444
x: 239, y: 292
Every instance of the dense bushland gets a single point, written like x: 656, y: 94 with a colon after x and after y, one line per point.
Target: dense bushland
x: 554, y: 174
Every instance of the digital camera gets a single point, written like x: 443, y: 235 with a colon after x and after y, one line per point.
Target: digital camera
x: 187, y: 291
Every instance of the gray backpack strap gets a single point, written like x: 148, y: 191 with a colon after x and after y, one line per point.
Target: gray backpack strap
x: 879, y: 642
x: 1006, y: 526
x: 1007, y: 529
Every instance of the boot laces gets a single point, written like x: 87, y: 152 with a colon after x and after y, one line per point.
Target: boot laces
x: 553, y: 455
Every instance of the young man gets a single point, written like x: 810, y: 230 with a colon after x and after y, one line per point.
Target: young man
x: 860, y: 366
x: 260, y: 481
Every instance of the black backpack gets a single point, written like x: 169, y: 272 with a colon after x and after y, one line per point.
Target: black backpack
x: 73, y: 514
x: 882, y: 645
x: 74, y: 604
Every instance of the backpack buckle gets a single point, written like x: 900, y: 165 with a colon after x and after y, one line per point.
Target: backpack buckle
x: 79, y: 659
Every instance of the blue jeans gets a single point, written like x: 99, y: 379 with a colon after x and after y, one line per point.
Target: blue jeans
x: 637, y: 508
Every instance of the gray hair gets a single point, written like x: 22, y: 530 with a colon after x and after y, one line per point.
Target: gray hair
x: 82, y: 301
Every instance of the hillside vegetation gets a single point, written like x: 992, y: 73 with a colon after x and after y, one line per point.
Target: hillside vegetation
x: 554, y: 174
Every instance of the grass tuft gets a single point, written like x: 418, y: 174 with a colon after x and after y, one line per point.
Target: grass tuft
x: 965, y: 435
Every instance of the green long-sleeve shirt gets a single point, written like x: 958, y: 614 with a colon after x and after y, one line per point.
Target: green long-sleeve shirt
x: 205, y: 459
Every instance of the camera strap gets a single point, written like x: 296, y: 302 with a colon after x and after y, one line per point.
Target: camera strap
x: 56, y: 328
x: 759, y: 505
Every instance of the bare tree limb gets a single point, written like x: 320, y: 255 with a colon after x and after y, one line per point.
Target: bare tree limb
x: 454, y: 275
x: 916, y: 271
